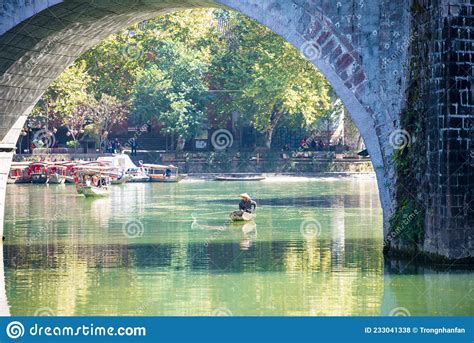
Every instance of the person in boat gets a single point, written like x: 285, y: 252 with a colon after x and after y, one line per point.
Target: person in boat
x: 247, y: 204
x: 168, y: 173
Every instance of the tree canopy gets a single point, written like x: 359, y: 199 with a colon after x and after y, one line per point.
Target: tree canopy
x: 181, y: 68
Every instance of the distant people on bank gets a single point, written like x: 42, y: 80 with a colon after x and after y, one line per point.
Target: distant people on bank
x: 134, y: 146
x: 117, y: 146
x: 303, y: 144
x: 108, y: 147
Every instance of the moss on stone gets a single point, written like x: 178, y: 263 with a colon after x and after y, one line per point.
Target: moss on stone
x: 411, y: 161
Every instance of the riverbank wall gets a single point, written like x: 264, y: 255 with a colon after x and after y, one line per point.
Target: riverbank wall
x: 212, y: 162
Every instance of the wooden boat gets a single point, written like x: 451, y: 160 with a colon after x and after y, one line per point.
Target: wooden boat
x: 19, y: 173
x: 55, y: 174
x: 137, y: 175
x: 55, y: 179
x: 92, y: 181
x: 116, y: 175
x: 39, y: 172
x: 91, y: 191
x: 119, y: 162
x: 241, y: 216
x: 122, y: 169
x: 161, y: 173
x: 118, y: 179
x: 65, y: 170
x: 236, y: 177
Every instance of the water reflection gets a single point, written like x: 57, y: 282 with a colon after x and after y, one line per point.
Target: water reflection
x: 70, y: 254
x: 4, y: 307
x: 249, y: 235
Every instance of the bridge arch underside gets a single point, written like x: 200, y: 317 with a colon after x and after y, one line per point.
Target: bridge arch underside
x: 38, y: 41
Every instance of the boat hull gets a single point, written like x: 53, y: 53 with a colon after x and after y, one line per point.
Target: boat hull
x: 167, y: 179
x: 120, y: 181
x: 69, y: 179
x: 22, y: 180
x: 93, y: 191
x: 39, y: 178
x: 231, y: 178
x: 56, y: 179
x: 139, y: 179
x: 239, y: 216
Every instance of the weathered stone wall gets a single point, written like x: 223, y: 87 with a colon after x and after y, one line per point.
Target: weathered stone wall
x: 450, y: 174
x: 435, y: 172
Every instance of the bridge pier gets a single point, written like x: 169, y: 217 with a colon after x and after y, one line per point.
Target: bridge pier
x: 435, y: 173
x: 450, y: 199
x: 5, y: 163
x: 7, y: 150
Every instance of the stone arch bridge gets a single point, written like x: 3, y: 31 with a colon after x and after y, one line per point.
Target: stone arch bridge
x: 403, y: 68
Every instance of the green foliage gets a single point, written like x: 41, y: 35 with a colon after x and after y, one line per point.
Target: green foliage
x: 59, y: 102
x: 102, y: 115
x: 329, y: 119
x: 172, y: 90
x: 264, y: 78
x: 183, y: 68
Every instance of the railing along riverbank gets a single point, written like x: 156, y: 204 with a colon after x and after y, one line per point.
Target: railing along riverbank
x: 234, y: 162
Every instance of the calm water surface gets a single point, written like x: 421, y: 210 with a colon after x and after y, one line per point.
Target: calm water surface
x: 167, y: 249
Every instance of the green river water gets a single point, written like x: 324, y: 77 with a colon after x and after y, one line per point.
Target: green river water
x: 315, y: 249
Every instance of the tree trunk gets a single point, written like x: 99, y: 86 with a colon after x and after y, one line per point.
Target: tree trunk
x: 180, y: 143
x: 172, y: 141
x: 274, y: 119
x: 268, y: 138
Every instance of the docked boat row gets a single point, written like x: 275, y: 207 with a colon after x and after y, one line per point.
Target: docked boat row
x: 119, y: 169
x: 40, y: 172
